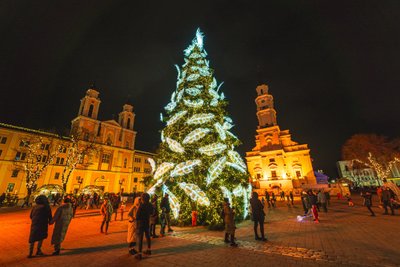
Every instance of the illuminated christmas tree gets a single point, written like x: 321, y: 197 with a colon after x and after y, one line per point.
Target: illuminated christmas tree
x: 197, y: 163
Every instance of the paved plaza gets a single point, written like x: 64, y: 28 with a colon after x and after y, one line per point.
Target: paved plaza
x: 344, y: 237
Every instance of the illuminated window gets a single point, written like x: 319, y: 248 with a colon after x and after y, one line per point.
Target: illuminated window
x: 56, y: 176
x: 298, y: 174
x: 146, y: 170
x: 271, y: 160
x: 136, y: 169
x: 138, y: 160
x: 15, y: 173
x: 20, y: 156
x: 125, y: 162
x: 3, y: 140
x: 10, y: 187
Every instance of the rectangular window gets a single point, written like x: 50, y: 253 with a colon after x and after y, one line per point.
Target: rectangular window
x: 138, y: 160
x: 62, y: 161
x: 271, y: 160
x: 20, y: 156
x: 56, y: 176
x: 146, y: 161
x: 3, y: 140
x: 135, y: 180
x: 273, y: 173
x: 298, y: 174
x: 58, y: 160
x: 146, y: 170
x: 15, y: 173
x: 105, y: 158
x: 1, y: 151
x: 10, y: 187
x: 258, y: 176
x: 136, y: 169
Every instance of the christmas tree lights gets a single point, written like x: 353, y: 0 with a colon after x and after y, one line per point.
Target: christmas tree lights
x: 202, y: 164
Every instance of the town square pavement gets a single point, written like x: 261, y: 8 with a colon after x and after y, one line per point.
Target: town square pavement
x: 344, y: 237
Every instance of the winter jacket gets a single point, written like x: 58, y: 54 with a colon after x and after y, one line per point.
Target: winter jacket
x: 143, y: 214
x: 62, y: 218
x: 257, y: 209
x: 41, y: 217
x: 229, y: 219
x: 131, y: 237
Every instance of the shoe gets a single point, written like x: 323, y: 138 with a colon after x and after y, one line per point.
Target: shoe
x: 257, y: 238
x: 29, y: 256
x: 132, y: 251
x: 56, y: 253
x: 264, y: 239
x: 234, y: 245
x: 39, y: 253
x: 227, y: 241
x: 147, y: 252
x: 101, y: 231
x: 138, y: 256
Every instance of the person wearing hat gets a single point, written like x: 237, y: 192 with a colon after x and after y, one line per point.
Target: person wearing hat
x: 62, y: 218
x: 40, y: 217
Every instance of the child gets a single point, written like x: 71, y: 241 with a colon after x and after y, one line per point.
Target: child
x: 163, y: 221
x: 122, y: 210
x: 349, y: 200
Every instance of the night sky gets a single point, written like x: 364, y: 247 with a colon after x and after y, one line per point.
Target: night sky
x: 333, y: 69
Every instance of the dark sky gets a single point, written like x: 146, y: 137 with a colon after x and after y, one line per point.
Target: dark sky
x: 332, y: 66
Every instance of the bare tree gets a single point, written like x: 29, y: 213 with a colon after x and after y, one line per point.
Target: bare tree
x: 76, y: 152
x: 374, y: 151
x: 33, y: 157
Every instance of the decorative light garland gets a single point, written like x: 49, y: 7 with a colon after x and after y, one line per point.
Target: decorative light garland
x: 195, y: 135
x: 215, y: 169
x: 193, y: 77
x: 195, y: 193
x: 152, y: 164
x: 184, y: 168
x: 174, y: 202
x: 192, y: 91
x: 220, y: 130
x: 235, y: 157
x: 200, y: 118
x: 176, y: 117
x: 212, y: 149
x: 193, y: 104
x: 226, y: 193
x: 163, y: 169
x: 235, y: 166
x: 174, y: 145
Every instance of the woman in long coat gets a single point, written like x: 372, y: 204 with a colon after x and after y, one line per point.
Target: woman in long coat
x: 131, y: 237
x: 229, y: 219
x: 62, y: 218
x: 41, y: 217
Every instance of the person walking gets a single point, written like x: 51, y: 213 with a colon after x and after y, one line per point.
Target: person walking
x: 115, y: 205
x: 257, y: 211
x: 229, y: 219
x: 165, y: 204
x: 282, y: 195
x: 154, y: 216
x: 143, y: 222
x: 321, y: 197
x: 268, y: 198
x: 273, y: 199
x: 163, y: 221
x: 106, y: 210
x: 305, y: 200
x: 62, y: 218
x: 131, y: 237
x: 314, y: 208
x: 368, y: 201
x: 328, y: 198
x: 40, y: 218
x: 291, y: 197
x: 387, y: 197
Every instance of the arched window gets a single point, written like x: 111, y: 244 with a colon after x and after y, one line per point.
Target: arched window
x: 91, y: 107
x: 128, y: 125
x: 109, y: 140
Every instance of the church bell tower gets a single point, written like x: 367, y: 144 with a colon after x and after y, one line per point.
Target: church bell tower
x: 266, y: 113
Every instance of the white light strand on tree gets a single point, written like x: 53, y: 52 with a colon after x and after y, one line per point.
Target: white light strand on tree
x: 174, y: 202
x: 184, y: 168
x: 174, y: 145
x: 176, y: 117
x: 152, y: 164
x: 163, y: 169
x: 200, y: 118
x: 220, y: 130
x: 235, y: 158
x: 193, y: 91
x: 195, y: 193
x: 235, y: 166
x: 194, y: 104
x: 212, y: 149
x: 226, y: 193
x: 195, y: 135
x: 215, y: 169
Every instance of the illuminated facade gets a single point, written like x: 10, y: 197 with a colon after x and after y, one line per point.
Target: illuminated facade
x: 115, y: 165
x: 277, y: 162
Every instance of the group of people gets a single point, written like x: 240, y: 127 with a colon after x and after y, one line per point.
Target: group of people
x: 41, y: 217
x: 387, y: 197
x: 271, y: 198
x: 313, y: 203
x: 143, y: 217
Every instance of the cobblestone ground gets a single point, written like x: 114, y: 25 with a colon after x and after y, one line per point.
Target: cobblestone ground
x: 344, y: 237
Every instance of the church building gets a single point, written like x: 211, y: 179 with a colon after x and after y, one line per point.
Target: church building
x: 277, y: 163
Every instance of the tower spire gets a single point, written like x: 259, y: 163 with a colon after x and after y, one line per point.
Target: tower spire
x: 266, y: 113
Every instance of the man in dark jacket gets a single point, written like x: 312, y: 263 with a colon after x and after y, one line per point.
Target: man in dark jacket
x: 368, y: 201
x: 41, y: 217
x: 143, y: 214
x: 387, y: 196
x: 268, y: 198
x: 257, y: 210
x: 165, y: 204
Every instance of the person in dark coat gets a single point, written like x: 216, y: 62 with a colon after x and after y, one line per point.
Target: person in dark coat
x: 40, y: 217
x: 62, y: 218
x: 154, y: 217
x: 229, y: 220
x: 165, y: 204
x: 268, y: 198
x: 368, y: 201
x: 143, y: 214
x: 106, y: 210
x: 387, y: 197
x: 314, y: 208
x: 291, y: 197
x: 257, y: 210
